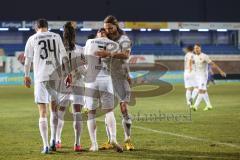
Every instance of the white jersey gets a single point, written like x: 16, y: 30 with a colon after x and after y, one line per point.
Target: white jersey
x: 98, y: 66
x: 120, y: 68
x: 188, y: 57
x: 47, y: 50
x: 201, y: 62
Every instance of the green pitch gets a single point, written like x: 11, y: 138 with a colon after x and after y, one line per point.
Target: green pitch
x: 162, y: 129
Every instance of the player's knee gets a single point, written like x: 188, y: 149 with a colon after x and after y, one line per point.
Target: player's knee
x: 127, y: 119
x: 123, y: 107
x: 43, y: 113
x: 54, y: 106
x: 107, y: 110
x: 91, y: 114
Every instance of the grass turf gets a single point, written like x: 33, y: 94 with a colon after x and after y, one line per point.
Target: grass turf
x: 211, y: 134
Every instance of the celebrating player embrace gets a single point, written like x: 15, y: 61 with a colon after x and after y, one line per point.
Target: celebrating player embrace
x: 120, y: 76
x: 98, y: 87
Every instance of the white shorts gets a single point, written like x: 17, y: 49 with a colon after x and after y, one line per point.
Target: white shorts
x: 202, y: 82
x: 99, y: 93
x: 190, y: 80
x: 45, y: 92
x: 122, y: 89
x: 72, y: 95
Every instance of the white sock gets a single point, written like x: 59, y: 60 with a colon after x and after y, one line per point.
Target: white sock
x: 107, y: 130
x: 43, y: 127
x: 77, y: 126
x: 194, y: 93
x: 188, y: 96
x: 92, y: 128
x: 127, y: 122
x: 206, y: 99
x: 53, y: 125
x: 111, y: 123
x: 199, y: 99
x: 60, y: 125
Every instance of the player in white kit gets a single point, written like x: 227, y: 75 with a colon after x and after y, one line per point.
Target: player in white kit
x: 47, y: 52
x: 120, y: 76
x: 201, y: 61
x: 99, y: 88
x: 190, y: 76
x: 74, y: 94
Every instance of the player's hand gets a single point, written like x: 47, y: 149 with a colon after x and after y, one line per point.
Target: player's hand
x: 27, y: 82
x: 223, y: 74
x: 129, y: 80
x: 102, y: 54
x: 68, y: 80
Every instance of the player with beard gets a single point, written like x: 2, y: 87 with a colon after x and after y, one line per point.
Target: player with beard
x: 120, y: 76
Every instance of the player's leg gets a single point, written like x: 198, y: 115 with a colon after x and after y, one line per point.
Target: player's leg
x: 90, y: 91
x: 92, y: 129
x: 51, y: 87
x: 124, y: 94
x: 203, y: 94
x: 43, y: 126
x: 207, y: 101
x: 202, y: 84
x: 107, y: 101
x: 107, y: 144
x: 77, y: 126
x: 42, y: 99
x: 126, y: 123
x: 53, y: 124
x: 189, y: 88
x: 111, y: 123
x: 199, y: 99
x: 194, y: 93
x: 189, y: 99
x: 61, y: 113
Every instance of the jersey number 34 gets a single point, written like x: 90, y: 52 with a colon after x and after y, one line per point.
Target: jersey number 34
x: 46, y: 47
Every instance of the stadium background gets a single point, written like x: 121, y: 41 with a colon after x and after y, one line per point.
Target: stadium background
x: 159, y: 30
x: 213, y: 23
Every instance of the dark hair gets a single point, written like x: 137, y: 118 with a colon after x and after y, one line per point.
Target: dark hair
x: 198, y: 44
x: 101, y: 29
x: 91, y: 36
x: 189, y: 48
x: 113, y: 20
x: 69, y: 35
x: 42, y: 23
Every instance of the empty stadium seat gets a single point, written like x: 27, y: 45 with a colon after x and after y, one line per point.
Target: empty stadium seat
x: 148, y: 49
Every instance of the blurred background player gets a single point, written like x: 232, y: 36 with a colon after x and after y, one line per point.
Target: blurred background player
x: 202, y: 61
x: 120, y: 76
x: 189, y: 76
x: 210, y: 76
x: 98, y: 87
x: 47, y: 51
x: 76, y: 91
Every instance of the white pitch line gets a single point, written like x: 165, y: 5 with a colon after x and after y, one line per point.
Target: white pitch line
x: 183, y: 136
x: 187, y: 137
